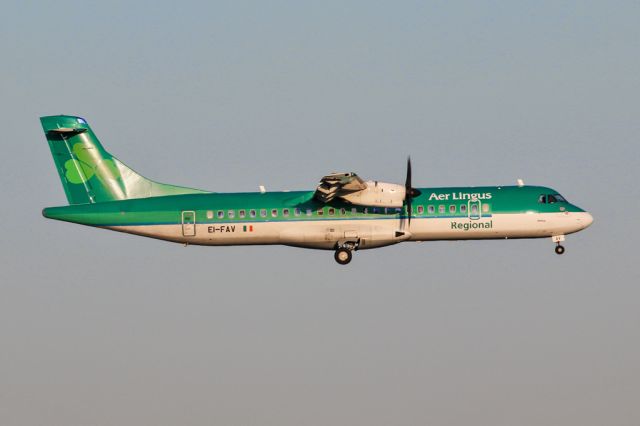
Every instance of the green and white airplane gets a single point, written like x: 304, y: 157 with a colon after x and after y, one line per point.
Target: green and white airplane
x: 344, y: 213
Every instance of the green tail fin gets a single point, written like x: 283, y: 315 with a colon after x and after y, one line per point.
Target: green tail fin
x: 89, y: 174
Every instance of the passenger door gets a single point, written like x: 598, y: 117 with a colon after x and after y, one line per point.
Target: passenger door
x: 189, y: 223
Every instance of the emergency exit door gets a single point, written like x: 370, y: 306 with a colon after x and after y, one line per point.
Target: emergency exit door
x: 189, y: 223
x: 475, y: 211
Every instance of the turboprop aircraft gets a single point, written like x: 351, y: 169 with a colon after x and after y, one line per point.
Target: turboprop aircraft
x: 344, y: 213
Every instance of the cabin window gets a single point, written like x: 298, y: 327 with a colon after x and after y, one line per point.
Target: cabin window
x: 474, y: 209
x: 309, y: 212
x: 420, y: 209
x: 241, y: 214
x: 209, y: 214
x: 431, y: 209
x: 365, y: 210
x: 343, y: 212
x: 220, y: 214
x: 252, y: 213
x: 296, y: 211
x: 463, y: 208
x: 485, y: 208
x: 452, y: 208
x: 354, y: 210
x: 374, y: 210
x: 231, y: 214
x: 441, y: 209
x: 320, y: 212
x: 263, y: 212
x: 332, y: 211
x: 399, y: 210
x: 285, y: 212
x: 274, y: 213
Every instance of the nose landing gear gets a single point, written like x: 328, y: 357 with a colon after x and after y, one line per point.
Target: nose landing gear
x: 558, y: 239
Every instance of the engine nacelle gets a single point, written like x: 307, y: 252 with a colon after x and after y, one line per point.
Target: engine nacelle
x: 381, y: 194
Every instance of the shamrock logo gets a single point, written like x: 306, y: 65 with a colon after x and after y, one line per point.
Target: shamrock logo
x: 82, y: 168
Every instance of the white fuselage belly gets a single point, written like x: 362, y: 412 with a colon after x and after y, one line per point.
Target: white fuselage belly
x: 370, y: 233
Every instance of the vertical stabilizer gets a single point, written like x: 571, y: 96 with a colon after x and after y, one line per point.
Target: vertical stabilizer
x: 89, y: 174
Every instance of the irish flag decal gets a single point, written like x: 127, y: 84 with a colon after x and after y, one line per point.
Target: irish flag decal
x: 246, y: 228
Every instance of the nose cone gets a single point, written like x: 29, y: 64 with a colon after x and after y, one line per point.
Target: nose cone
x: 584, y: 220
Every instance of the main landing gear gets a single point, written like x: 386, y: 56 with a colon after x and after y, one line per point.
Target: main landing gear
x: 344, y: 251
x: 343, y: 255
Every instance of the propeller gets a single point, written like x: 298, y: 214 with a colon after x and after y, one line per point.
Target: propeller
x: 409, y: 191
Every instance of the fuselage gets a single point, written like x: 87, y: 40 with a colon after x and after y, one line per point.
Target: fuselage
x: 298, y: 219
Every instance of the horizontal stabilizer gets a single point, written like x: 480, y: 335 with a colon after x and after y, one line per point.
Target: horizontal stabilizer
x: 66, y: 131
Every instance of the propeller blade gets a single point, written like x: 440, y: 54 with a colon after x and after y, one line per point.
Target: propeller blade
x: 407, y: 183
x: 408, y: 191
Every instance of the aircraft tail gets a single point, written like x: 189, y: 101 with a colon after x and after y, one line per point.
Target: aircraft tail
x: 89, y: 174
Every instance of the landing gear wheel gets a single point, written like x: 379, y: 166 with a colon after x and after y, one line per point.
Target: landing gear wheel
x: 343, y: 256
x: 559, y: 249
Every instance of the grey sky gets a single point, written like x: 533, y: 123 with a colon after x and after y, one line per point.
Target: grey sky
x: 100, y: 328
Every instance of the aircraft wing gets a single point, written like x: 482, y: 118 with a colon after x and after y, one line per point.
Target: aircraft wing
x: 338, y: 185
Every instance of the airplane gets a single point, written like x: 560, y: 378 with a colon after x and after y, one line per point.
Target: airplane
x: 344, y: 213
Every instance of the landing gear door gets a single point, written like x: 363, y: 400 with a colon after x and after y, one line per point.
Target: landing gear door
x: 189, y: 223
x: 351, y: 235
x: 475, y: 210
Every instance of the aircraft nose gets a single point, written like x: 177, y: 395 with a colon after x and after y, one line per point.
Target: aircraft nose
x: 585, y: 219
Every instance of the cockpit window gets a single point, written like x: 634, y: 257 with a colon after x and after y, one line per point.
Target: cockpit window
x: 551, y: 198
x: 555, y: 198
